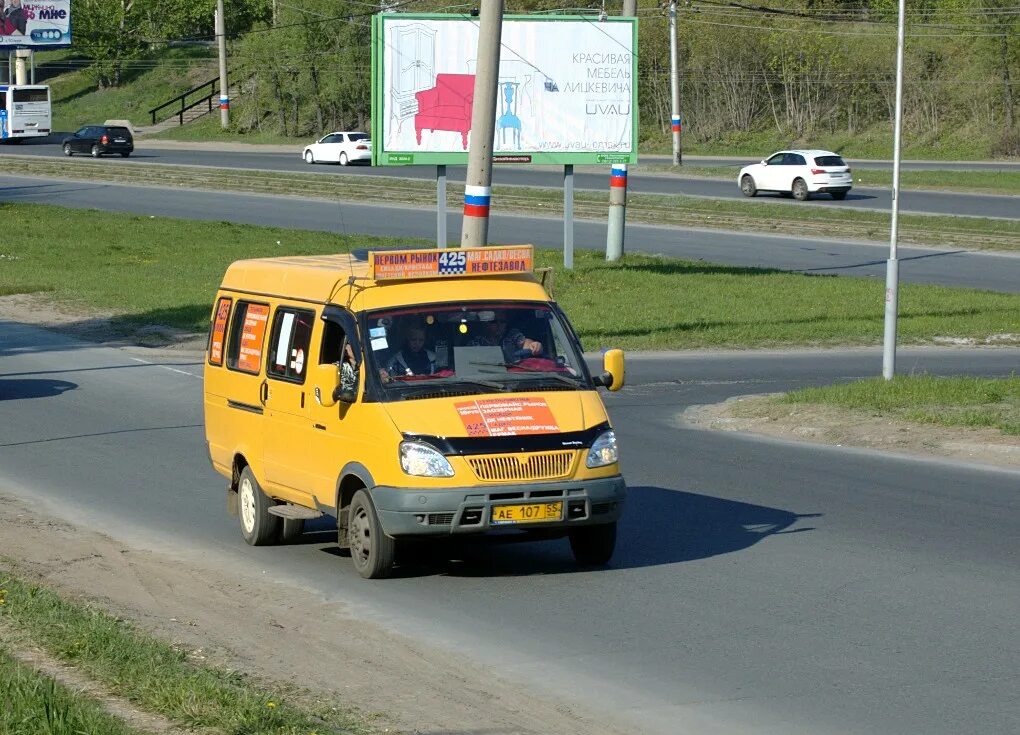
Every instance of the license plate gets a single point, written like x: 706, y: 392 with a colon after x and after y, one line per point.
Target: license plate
x: 530, y: 513
x: 119, y: 140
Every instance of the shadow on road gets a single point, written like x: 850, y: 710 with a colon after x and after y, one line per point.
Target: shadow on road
x: 12, y: 390
x: 660, y: 526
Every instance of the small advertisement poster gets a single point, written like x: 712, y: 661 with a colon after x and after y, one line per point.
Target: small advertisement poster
x: 507, y: 417
x: 566, y: 89
x: 35, y: 24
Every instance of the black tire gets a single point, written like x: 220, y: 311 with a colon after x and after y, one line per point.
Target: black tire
x: 258, y: 526
x: 800, y: 191
x: 372, y: 551
x: 747, y: 187
x: 343, y: 158
x: 67, y: 150
x: 838, y: 195
x: 95, y: 151
x: 593, y: 545
x: 125, y: 154
x: 309, y: 157
x: 291, y: 529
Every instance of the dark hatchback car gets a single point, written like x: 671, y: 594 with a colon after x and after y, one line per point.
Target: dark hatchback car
x: 97, y: 140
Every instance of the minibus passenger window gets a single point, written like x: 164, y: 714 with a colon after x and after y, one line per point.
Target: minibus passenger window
x: 247, y: 334
x: 289, y: 342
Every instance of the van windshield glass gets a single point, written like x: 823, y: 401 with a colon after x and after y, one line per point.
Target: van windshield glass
x: 468, y: 348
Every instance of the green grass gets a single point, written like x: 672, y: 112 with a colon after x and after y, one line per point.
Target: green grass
x: 927, y: 399
x: 32, y: 703
x: 155, y: 675
x: 988, y: 182
x: 760, y: 215
x: 155, y: 270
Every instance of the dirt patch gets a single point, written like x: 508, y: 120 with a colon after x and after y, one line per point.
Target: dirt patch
x: 278, y: 634
x: 840, y: 427
x: 94, y: 325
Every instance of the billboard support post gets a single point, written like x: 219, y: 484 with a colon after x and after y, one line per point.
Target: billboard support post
x: 478, y: 184
x: 21, y: 69
x: 568, y: 216
x: 674, y: 79
x: 441, y: 239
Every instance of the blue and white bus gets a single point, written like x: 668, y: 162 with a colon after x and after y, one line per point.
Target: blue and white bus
x: 24, y: 111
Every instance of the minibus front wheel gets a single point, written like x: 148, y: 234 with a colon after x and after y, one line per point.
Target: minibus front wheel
x: 593, y: 545
x: 372, y: 551
x: 258, y: 526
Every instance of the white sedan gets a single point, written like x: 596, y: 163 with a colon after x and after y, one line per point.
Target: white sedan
x: 798, y: 174
x: 339, y: 147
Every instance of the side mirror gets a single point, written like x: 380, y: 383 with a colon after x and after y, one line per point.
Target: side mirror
x: 764, y: 162
x: 327, y: 385
x: 613, y: 375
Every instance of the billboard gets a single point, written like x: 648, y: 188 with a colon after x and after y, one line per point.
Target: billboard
x: 35, y: 24
x: 566, y: 90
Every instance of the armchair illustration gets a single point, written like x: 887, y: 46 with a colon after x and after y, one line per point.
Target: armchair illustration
x: 446, y: 106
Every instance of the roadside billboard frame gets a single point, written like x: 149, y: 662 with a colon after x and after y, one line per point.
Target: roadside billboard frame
x: 383, y: 106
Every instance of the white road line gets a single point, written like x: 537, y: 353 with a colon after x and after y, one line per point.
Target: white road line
x: 165, y: 367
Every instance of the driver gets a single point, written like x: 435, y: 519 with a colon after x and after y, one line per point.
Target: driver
x: 413, y: 359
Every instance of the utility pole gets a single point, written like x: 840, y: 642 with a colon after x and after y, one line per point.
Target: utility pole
x: 221, y: 37
x: 674, y: 76
x: 892, y: 269
x: 478, y: 184
x: 618, y: 185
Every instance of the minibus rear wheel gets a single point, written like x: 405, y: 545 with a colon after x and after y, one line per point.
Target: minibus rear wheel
x: 258, y: 526
x: 372, y: 551
x: 593, y: 545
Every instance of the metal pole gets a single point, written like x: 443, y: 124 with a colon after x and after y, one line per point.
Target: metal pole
x: 892, y: 273
x: 478, y: 184
x: 674, y: 77
x: 221, y: 37
x: 618, y: 186
x: 441, y: 206
x: 568, y: 216
x: 31, y: 58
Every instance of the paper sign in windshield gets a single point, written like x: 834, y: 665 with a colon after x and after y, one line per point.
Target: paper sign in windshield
x: 507, y: 417
x: 219, y: 329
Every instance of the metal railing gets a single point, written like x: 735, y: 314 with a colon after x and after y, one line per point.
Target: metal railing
x: 181, y: 101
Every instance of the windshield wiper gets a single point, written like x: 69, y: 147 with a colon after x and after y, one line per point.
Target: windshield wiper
x: 555, y: 376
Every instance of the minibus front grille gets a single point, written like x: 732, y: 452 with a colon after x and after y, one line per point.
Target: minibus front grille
x: 510, y: 467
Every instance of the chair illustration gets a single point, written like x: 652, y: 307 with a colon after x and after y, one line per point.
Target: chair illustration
x: 446, y: 106
x: 509, y: 120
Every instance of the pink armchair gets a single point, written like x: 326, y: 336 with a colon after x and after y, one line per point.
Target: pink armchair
x: 447, y: 106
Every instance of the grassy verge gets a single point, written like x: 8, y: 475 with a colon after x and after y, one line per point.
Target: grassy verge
x: 154, y: 675
x: 984, y: 182
x: 757, y: 216
x: 926, y: 399
x: 155, y: 270
x: 33, y: 703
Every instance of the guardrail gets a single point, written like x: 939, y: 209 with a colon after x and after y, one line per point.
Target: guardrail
x: 184, y: 105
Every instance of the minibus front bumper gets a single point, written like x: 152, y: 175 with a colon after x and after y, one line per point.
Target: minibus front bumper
x: 416, y: 512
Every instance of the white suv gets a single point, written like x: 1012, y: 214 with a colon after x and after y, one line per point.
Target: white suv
x: 799, y: 174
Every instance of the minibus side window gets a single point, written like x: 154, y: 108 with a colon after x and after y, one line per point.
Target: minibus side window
x: 288, y: 344
x: 218, y: 330
x: 247, y: 335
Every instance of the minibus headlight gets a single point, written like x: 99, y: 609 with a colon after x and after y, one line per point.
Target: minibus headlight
x: 603, y: 450
x: 422, y: 460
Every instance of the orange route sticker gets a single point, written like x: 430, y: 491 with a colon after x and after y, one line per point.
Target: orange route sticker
x: 219, y: 327
x: 254, y: 330
x: 507, y: 417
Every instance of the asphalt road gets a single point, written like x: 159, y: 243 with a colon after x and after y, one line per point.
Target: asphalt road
x: 759, y: 587
x: 917, y: 265
x: 586, y: 177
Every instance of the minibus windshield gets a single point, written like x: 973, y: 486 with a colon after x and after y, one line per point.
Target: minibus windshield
x: 463, y: 348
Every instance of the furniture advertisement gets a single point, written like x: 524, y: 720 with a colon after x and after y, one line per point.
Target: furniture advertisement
x: 566, y: 90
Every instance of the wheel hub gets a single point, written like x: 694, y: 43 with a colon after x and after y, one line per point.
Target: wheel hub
x: 247, y: 506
